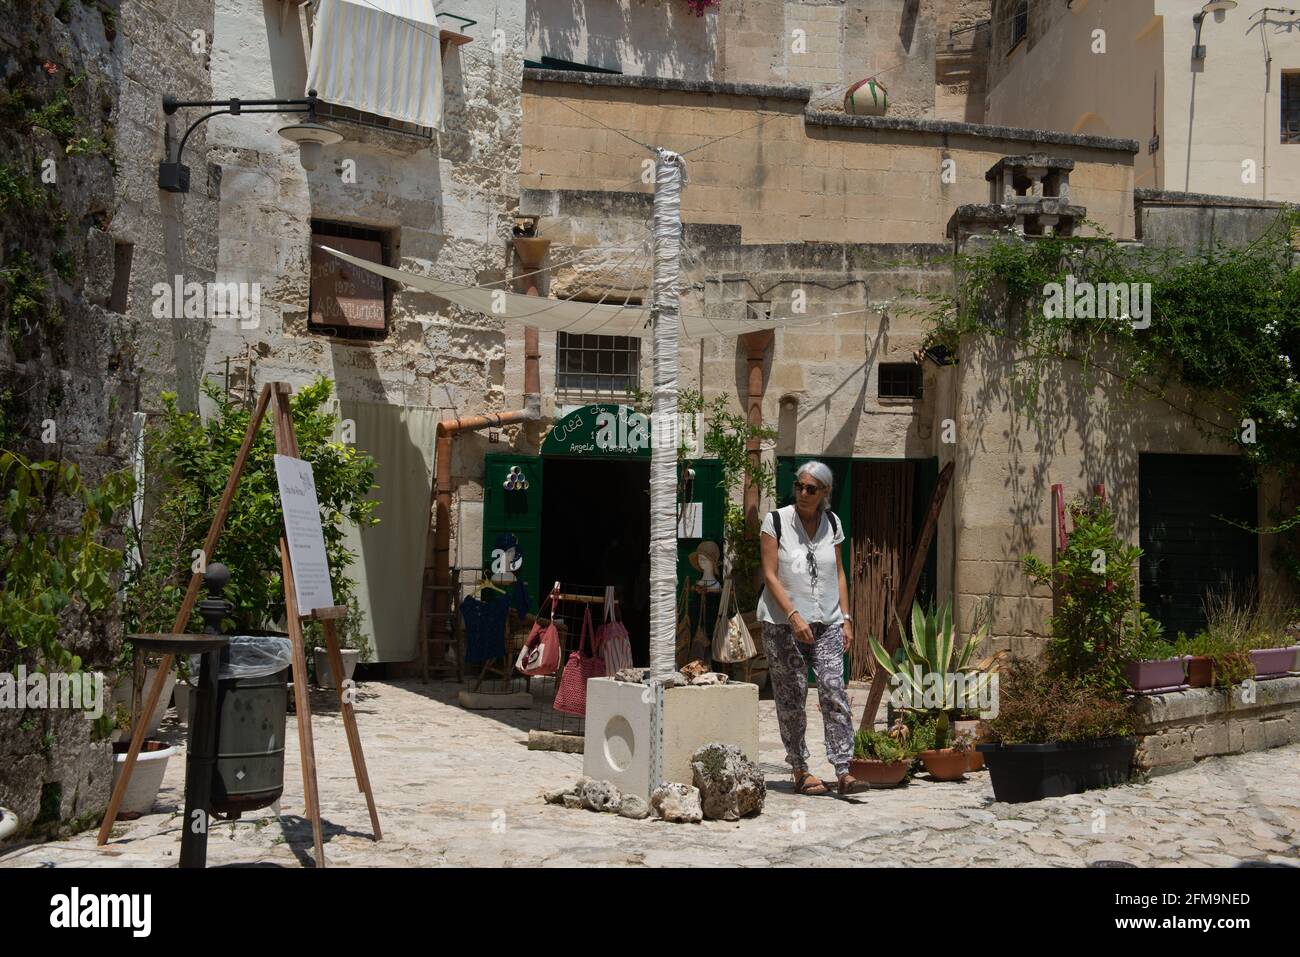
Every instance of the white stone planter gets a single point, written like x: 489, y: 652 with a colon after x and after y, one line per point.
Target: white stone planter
x: 321, y: 656
x: 632, y: 744
x: 146, y: 776
x: 8, y: 823
x: 122, y: 693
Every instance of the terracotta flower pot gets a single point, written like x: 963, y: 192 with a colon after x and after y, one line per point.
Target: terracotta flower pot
x: 974, y: 761
x: 879, y: 774
x: 946, y: 765
x: 1200, y: 671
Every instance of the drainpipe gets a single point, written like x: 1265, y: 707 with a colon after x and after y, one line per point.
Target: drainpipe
x: 531, y: 252
x: 756, y: 346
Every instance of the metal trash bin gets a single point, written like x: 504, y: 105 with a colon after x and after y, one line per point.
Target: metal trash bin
x: 252, y: 700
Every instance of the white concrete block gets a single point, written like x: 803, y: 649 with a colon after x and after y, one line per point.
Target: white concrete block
x: 628, y: 744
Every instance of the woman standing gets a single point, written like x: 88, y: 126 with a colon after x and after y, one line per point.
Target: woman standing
x: 802, y: 611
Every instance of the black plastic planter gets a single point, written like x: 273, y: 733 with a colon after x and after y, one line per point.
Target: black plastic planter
x: 1031, y: 772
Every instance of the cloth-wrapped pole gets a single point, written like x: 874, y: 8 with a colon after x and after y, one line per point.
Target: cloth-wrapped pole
x: 670, y: 175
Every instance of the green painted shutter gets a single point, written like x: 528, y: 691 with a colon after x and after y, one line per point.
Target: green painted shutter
x: 516, y: 512
x: 707, y: 490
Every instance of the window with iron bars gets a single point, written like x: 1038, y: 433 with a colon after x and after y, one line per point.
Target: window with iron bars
x: 899, y: 380
x: 346, y: 114
x: 603, y: 365
x: 1291, y: 107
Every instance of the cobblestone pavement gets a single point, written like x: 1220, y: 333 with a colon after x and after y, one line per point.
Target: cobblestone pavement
x: 456, y: 787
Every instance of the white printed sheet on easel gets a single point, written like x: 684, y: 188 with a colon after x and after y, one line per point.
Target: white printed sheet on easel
x: 302, y: 530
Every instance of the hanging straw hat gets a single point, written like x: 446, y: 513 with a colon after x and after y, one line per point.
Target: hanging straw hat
x: 709, y: 550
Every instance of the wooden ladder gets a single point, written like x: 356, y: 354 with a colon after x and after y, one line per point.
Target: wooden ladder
x: 441, y: 630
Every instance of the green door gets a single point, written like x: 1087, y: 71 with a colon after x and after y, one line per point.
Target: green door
x: 516, y: 512
x: 708, y: 491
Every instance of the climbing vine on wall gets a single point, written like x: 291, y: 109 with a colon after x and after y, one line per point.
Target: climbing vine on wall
x: 1224, y: 328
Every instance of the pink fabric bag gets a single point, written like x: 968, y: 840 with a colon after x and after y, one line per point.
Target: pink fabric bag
x: 571, y: 691
x: 540, y: 654
x: 612, y: 642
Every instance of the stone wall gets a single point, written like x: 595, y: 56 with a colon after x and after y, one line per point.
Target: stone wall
x: 789, y: 173
x: 67, y: 359
x: 1178, y: 729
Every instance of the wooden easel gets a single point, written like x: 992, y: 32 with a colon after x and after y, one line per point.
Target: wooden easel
x: 274, y: 395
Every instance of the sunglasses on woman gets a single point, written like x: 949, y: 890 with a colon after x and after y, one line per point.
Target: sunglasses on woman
x: 809, y: 488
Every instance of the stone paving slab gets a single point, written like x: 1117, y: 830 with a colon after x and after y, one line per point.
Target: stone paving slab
x: 461, y: 788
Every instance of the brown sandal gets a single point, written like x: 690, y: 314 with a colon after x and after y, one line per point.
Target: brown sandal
x: 851, y: 785
x: 807, y: 783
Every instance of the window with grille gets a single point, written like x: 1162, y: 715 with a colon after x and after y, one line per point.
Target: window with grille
x: 601, y: 364
x: 1291, y: 107
x: 899, y: 380
x: 1019, y: 22
x: 346, y: 114
x: 345, y: 300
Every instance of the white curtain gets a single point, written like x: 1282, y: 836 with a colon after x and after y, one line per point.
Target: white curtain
x: 379, y: 56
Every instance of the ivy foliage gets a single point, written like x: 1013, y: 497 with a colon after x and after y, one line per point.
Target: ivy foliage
x: 57, y: 555
x: 187, y: 464
x: 1224, y: 324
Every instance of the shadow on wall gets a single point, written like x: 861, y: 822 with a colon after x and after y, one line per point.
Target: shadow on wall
x: 664, y: 40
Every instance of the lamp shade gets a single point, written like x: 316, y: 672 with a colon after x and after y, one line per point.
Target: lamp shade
x: 310, y: 137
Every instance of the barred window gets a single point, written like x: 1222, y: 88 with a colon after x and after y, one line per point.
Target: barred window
x: 1019, y: 22
x: 899, y: 380
x: 1291, y: 107
x: 593, y: 363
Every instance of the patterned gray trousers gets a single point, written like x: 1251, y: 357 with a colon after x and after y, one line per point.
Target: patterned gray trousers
x: 787, y: 664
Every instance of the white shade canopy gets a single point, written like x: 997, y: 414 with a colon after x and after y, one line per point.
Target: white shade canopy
x: 565, y: 315
x: 379, y: 56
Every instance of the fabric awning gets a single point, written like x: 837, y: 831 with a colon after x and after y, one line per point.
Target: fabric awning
x: 564, y: 315
x: 379, y: 56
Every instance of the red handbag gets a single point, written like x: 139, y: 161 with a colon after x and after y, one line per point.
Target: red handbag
x: 571, y: 693
x: 540, y: 654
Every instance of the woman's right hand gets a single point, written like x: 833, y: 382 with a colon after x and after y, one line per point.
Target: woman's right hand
x: 802, y: 630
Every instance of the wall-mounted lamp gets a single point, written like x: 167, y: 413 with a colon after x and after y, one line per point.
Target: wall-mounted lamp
x: 311, y: 137
x: 1220, y: 9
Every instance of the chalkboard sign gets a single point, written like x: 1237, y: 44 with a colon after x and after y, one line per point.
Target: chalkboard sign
x: 302, y: 529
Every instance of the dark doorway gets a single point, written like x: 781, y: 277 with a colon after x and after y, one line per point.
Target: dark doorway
x: 596, y: 531
x: 1186, y: 507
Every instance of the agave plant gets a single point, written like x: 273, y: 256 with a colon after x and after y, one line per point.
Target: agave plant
x: 928, y: 670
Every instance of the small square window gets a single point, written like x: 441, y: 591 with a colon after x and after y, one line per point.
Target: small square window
x: 899, y: 380
x: 600, y: 364
x: 345, y: 300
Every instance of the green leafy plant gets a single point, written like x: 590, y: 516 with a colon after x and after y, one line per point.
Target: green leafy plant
x: 1099, y: 620
x: 928, y: 659
x: 727, y: 436
x: 871, y: 745
x: 57, y: 554
x: 187, y: 463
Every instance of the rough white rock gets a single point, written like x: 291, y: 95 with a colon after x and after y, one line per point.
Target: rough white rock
x: 679, y: 803
x: 730, y: 785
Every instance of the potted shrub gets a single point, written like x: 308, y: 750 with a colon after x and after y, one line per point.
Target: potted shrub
x: 880, y: 759
x: 946, y: 757
x: 353, y: 646
x: 1273, y: 656
x: 1156, y: 666
x: 1055, y: 735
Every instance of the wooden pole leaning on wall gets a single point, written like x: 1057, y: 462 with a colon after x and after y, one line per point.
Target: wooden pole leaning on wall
x: 908, y: 592
x: 274, y: 396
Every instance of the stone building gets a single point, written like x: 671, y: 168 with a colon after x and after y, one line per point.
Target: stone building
x: 1210, y: 91
x: 788, y: 201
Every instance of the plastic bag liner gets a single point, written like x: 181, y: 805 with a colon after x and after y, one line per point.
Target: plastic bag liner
x: 251, y: 656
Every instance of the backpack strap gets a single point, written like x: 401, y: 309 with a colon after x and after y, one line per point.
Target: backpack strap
x: 776, y: 524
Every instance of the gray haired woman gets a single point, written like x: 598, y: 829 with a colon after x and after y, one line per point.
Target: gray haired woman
x: 802, y: 609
